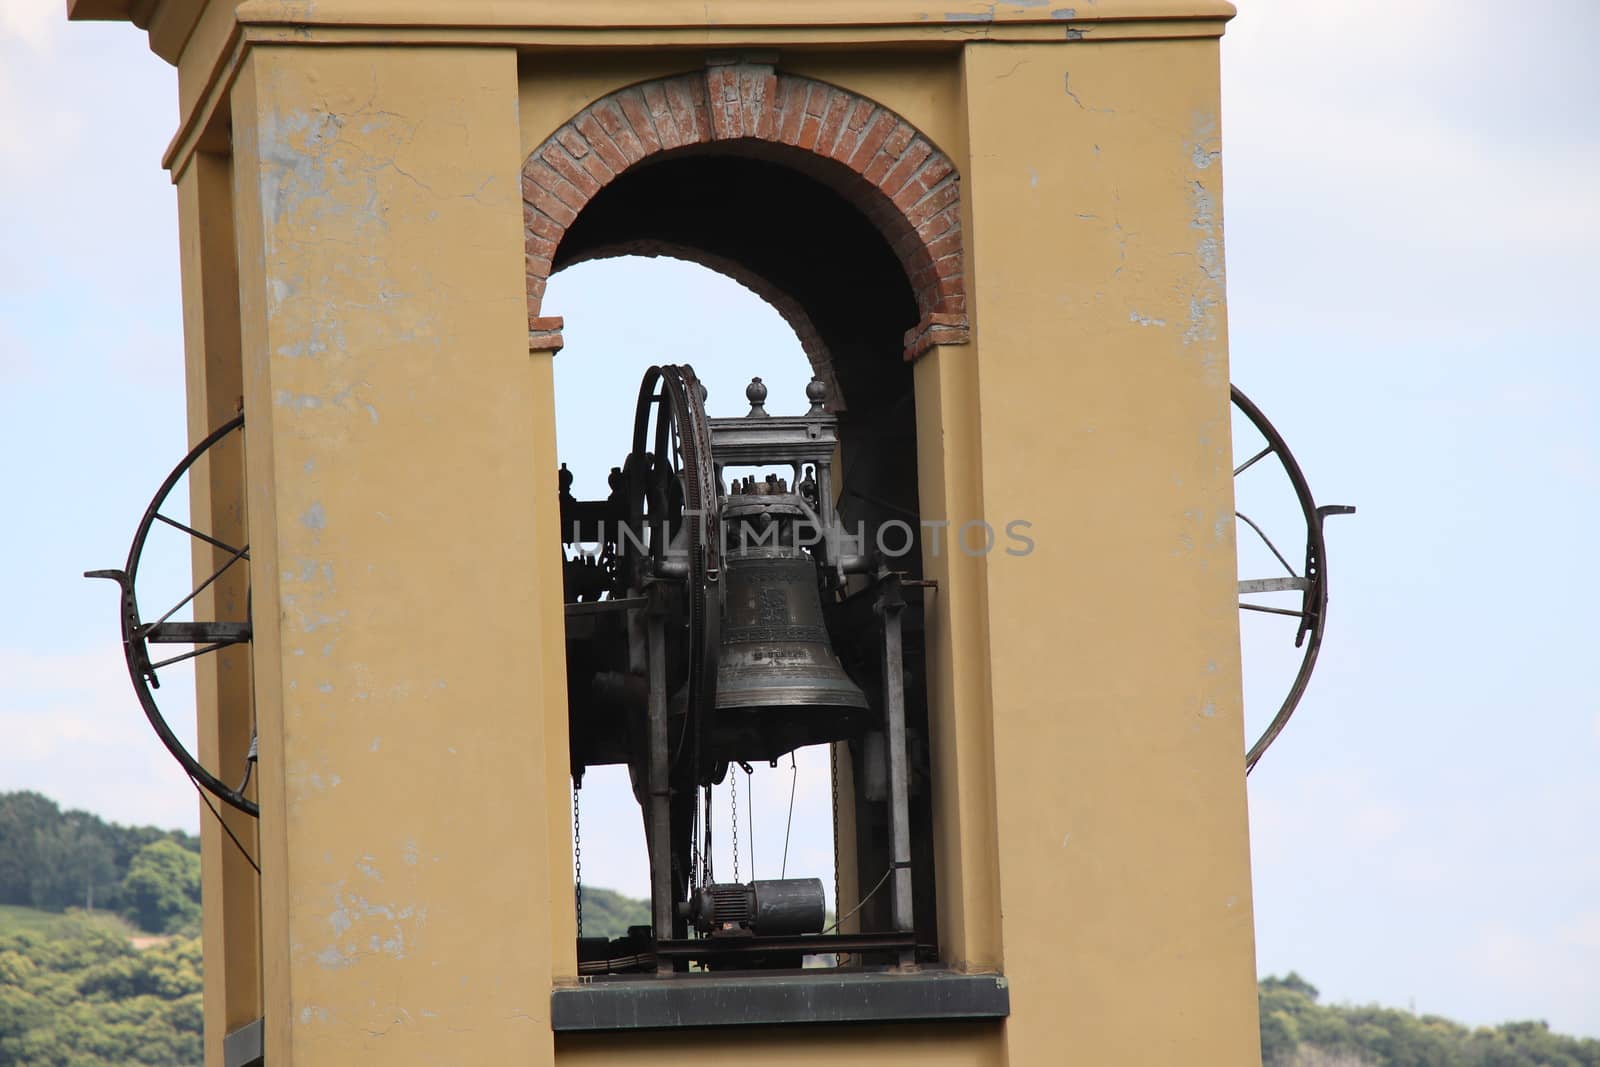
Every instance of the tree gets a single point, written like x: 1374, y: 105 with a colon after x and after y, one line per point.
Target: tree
x: 24, y: 817
x: 1290, y: 983
x: 162, y: 887
x: 54, y: 859
x: 1296, y: 1031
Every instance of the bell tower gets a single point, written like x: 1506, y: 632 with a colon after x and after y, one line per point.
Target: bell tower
x: 992, y: 568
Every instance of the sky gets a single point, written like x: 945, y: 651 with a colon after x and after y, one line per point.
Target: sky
x: 1411, y: 225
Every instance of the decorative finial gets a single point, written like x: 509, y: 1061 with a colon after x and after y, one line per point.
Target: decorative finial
x: 756, y: 393
x: 817, y: 393
x: 564, y: 479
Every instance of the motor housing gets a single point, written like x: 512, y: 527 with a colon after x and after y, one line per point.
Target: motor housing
x: 764, y: 908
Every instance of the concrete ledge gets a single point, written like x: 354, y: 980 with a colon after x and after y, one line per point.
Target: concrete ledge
x: 609, y: 1004
x: 242, y: 1048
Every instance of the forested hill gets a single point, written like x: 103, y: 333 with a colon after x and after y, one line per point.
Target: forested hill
x: 102, y: 989
x: 1298, y: 1031
x: 99, y: 940
x: 53, y: 860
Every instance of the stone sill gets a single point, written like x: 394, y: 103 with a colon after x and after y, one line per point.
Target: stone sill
x: 684, y: 1001
x: 243, y: 1047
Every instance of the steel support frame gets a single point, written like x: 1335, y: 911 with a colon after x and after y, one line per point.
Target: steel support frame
x: 660, y: 787
x: 890, y: 604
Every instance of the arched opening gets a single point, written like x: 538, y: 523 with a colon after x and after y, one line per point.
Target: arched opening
x: 846, y: 222
x: 729, y: 334
x: 813, y: 256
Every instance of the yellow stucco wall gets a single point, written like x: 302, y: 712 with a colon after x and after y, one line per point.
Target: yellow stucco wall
x: 399, y: 586
x: 1102, y: 391
x: 1090, y: 807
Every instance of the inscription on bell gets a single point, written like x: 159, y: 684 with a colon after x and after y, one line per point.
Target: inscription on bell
x: 773, y: 606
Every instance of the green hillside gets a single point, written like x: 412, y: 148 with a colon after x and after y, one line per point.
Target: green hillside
x: 607, y: 913
x: 75, y: 992
x: 53, y: 860
x: 1298, y: 1031
x: 16, y: 919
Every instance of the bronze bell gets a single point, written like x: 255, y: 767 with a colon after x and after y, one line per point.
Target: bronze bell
x: 779, y: 684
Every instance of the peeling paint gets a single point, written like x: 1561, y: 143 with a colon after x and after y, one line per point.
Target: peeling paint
x: 314, y: 518
x: 352, y: 910
x: 313, y: 623
x: 283, y: 398
x: 1204, y: 145
x: 1145, y: 320
x: 1201, y: 325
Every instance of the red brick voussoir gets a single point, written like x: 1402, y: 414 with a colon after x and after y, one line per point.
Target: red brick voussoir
x: 895, y: 175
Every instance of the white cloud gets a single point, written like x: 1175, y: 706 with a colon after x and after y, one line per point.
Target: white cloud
x: 1387, y: 170
x: 74, y: 731
x: 34, y: 22
x: 1584, y: 932
x: 1527, y: 975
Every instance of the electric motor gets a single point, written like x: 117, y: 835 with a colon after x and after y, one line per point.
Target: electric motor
x: 768, y: 908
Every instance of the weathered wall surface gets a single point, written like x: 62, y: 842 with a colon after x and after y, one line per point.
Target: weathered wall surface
x: 406, y: 897
x: 1102, y: 390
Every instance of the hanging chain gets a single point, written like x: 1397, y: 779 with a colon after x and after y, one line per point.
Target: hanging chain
x: 710, y: 874
x: 577, y: 858
x: 833, y: 766
x: 733, y: 798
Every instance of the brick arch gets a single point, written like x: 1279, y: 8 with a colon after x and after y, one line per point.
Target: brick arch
x: 896, y: 176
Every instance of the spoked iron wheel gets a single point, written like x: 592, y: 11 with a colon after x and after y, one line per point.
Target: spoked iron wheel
x: 141, y: 633
x: 672, y: 502
x: 1311, y: 581
x: 672, y: 494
